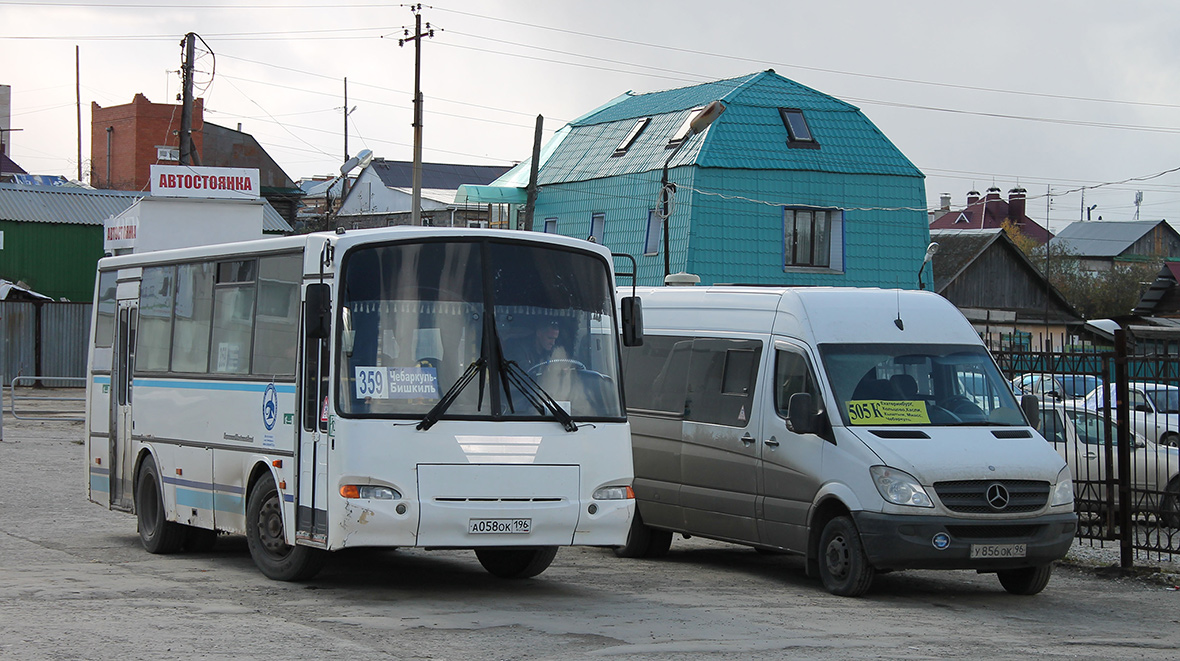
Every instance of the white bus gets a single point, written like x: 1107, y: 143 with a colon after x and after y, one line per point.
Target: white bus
x: 406, y: 405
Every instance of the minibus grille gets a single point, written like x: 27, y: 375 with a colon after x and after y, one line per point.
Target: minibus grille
x: 993, y: 496
x: 498, y: 500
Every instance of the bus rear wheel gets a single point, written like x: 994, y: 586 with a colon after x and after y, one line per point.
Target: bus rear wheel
x: 158, y: 534
x: 516, y: 563
x: 272, y: 554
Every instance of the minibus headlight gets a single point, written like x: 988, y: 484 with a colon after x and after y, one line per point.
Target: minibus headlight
x: 369, y: 491
x: 899, y: 488
x: 614, y: 493
x: 1063, y: 491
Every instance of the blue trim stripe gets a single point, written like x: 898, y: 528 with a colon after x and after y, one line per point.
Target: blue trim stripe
x: 213, y: 385
x: 102, y: 380
x: 206, y: 496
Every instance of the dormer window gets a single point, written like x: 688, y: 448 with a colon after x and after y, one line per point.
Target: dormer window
x: 682, y: 133
x: 798, y: 133
x: 632, y: 135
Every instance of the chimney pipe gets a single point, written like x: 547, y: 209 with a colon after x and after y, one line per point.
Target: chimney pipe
x: 944, y: 201
x: 972, y: 197
x: 1016, y: 205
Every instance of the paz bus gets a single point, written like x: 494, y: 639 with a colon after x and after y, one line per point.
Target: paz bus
x: 363, y: 389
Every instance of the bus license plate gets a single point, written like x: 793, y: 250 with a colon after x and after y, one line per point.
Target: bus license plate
x: 500, y: 526
x: 998, y: 550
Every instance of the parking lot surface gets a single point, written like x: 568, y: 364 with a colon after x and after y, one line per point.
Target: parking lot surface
x: 76, y: 584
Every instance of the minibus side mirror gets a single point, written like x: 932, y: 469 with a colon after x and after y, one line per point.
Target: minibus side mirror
x: 317, y: 311
x: 1031, y: 405
x: 799, y: 414
x: 631, y: 321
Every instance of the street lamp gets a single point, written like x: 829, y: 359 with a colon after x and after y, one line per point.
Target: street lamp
x: 931, y: 251
x: 362, y: 160
x: 698, y: 124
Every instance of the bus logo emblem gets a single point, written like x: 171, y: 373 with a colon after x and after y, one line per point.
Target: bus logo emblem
x: 270, y: 407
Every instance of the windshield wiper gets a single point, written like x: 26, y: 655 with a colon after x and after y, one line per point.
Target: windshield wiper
x: 476, y: 367
x: 534, y: 393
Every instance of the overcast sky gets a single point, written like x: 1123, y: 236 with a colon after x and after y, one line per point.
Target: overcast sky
x: 1049, y: 95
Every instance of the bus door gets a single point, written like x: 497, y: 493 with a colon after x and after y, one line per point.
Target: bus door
x: 311, y: 499
x: 121, y: 425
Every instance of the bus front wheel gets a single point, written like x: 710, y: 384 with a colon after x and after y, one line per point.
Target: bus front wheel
x: 268, y: 546
x: 158, y: 534
x: 516, y: 563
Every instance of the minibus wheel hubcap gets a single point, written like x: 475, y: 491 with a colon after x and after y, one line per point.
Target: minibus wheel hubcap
x: 837, y: 555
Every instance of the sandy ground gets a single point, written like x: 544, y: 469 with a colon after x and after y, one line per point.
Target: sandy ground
x: 76, y: 584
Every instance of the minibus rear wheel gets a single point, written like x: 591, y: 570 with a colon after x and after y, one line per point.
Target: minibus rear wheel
x: 158, y: 534
x: 268, y: 546
x: 843, y: 566
x: 516, y: 563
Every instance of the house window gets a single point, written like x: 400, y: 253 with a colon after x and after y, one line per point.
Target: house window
x: 631, y: 136
x: 798, y: 133
x: 651, y: 240
x: 597, y: 225
x: 811, y: 237
x: 551, y: 226
x: 682, y: 133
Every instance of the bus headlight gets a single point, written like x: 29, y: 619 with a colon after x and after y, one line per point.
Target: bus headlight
x: 1063, y: 491
x: 369, y: 491
x: 614, y: 493
x: 899, y: 488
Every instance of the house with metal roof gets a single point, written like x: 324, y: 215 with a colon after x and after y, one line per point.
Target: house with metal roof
x: 1004, y: 295
x: 1099, y: 245
x: 990, y: 211
x: 382, y: 193
x: 787, y: 185
x: 51, y: 237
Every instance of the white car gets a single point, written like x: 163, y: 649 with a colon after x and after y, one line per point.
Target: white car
x: 1079, y: 436
x: 1056, y: 386
x: 1155, y: 409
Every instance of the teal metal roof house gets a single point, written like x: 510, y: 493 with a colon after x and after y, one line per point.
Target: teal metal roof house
x: 787, y: 186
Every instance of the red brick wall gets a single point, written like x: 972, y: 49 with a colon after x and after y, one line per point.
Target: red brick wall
x: 139, y: 127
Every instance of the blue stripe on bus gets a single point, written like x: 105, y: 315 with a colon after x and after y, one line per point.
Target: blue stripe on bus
x: 100, y: 483
x: 212, y: 385
x: 102, y: 380
x: 201, y: 495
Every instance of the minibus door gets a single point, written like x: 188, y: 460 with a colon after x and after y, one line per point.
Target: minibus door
x: 121, y: 422
x: 311, y: 451
x: 791, y: 461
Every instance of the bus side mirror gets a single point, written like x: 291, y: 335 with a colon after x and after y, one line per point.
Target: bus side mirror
x: 317, y: 311
x: 799, y: 414
x: 632, y: 321
x: 1031, y: 405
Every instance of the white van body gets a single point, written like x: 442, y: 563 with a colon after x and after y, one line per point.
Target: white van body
x: 716, y: 455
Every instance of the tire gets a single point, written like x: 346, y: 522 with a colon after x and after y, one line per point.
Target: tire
x: 264, y: 535
x: 1170, y: 439
x: 843, y: 566
x: 158, y: 534
x: 516, y: 563
x: 199, y: 540
x: 1027, y: 581
x: 644, y: 542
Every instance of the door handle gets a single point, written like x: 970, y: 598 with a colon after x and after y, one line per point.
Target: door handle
x: 1091, y: 455
x: 747, y: 439
x: 772, y: 442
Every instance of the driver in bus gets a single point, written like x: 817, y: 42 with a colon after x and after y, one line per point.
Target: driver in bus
x: 537, y: 348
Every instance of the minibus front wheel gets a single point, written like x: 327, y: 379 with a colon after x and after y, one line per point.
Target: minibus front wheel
x: 843, y: 566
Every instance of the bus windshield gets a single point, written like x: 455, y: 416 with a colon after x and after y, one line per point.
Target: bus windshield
x: 521, y: 328
x: 905, y: 384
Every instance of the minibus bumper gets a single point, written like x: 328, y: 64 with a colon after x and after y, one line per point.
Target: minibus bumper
x: 893, y: 541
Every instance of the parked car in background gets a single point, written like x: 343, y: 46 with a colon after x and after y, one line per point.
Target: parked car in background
x: 1079, y: 436
x: 1155, y: 409
x: 1061, y: 387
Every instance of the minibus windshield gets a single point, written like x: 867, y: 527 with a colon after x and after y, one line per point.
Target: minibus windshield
x: 525, y: 330
x: 910, y: 384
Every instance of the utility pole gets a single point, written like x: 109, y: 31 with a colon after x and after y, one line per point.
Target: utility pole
x: 419, y: 35
x: 347, y: 112
x: 78, y: 99
x: 531, y: 190
x: 186, y: 109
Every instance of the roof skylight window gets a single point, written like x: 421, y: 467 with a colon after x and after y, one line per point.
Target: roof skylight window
x: 631, y: 136
x: 798, y: 132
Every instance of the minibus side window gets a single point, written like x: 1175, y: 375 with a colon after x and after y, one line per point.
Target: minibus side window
x: 655, y: 373
x: 721, y: 379
x: 792, y: 375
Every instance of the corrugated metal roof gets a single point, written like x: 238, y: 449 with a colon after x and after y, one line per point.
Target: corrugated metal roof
x: 444, y: 176
x: 1102, y: 238
x: 83, y: 206
x: 748, y: 135
x: 76, y: 206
